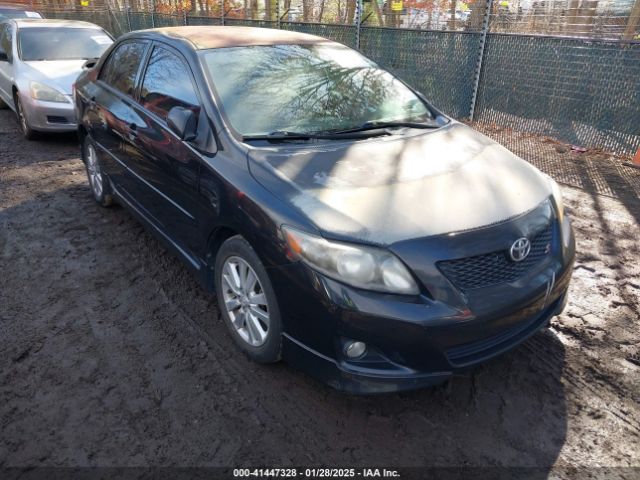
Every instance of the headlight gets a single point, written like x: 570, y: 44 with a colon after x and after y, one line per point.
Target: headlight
x: 565, y: 224
x: 363, y: 267
x: 39, y: 91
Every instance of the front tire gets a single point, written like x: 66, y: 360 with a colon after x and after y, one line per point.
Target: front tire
x: 27, y: 131
x: 97, y: 180
x: 247, y: 301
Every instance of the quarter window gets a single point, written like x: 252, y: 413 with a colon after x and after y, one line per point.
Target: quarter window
x: 121, y: 68
x: 167, y: 84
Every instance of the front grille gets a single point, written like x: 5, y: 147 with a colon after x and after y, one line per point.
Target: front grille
x: 495, y: 268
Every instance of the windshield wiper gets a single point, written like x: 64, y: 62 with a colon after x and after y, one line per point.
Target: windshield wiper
x: 365, y: 130
x: 378, y: 125
x: 281, y: 135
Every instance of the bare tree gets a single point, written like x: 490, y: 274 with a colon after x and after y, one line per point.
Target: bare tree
x: 452, y: 19
x: 633, y: 23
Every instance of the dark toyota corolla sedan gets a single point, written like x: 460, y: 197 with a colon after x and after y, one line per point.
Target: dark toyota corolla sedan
x: 345, y: 224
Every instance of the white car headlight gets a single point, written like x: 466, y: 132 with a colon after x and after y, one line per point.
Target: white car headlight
x: 363, y: 267
x: 40, y: 91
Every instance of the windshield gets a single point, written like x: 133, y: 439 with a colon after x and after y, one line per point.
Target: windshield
x: 11, y: 13
x: 61, y: 43
x: 306, y: 88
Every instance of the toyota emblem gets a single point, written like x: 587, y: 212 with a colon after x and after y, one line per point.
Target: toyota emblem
x: 520, y: 249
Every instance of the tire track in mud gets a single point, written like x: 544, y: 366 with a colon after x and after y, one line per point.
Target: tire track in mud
x: 576, y: 378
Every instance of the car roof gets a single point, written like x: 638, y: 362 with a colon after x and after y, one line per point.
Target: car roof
x: 42, y: 22
x: 206, y: 37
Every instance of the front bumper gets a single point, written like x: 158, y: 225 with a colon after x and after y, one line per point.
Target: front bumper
x: 405, y: 351
x: 413, y: 341
x: 49, y: 116
x: 356, y: 379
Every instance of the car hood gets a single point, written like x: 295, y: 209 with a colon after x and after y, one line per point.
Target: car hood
x: 60, y: 74
x: 388, y: 189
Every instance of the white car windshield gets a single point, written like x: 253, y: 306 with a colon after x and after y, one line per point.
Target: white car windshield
x: 61, y: 43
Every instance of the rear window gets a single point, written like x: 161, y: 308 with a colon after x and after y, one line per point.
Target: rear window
x: 62, y: 43
x: 121, y: 68
x: 11, y: 13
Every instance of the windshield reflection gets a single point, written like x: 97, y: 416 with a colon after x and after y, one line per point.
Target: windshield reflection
x: 306, y: 88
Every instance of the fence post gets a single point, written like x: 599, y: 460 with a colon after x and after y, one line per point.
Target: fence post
x: 128, y: 12
x: 486, y: 24
x: 358, y: 22
x: 153, y: 13
x: 278, y: 19
x: 184, y: 17
x: 222, y: 12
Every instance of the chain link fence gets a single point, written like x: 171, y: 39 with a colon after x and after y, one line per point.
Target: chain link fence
x: 568, y: 69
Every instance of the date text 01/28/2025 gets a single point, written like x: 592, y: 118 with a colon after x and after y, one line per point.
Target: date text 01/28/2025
x: 315, y: 473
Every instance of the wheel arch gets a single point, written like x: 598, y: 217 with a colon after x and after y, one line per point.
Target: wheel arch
x: 217, y: 237
x: 14, y: 95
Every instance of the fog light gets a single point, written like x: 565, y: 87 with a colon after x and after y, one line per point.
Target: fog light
x: 355, y: 349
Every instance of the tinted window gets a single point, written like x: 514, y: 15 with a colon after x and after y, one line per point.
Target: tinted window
x: 61, y: 43
x: 307, y: 88
x: 167, y: 84
x: 121, y: 67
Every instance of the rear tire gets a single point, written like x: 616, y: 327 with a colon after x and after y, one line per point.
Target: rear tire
x: 27, y: 131
x: 247, y: 301
x: 98, y: 183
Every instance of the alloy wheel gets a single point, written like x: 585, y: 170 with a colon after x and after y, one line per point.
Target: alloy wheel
x: 245, y: 301
x: 95, y: 176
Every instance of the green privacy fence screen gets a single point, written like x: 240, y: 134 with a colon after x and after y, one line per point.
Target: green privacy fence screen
x: 586, y: 92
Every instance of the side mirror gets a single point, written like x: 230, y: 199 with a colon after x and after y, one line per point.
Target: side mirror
x: 183, y: 122
x: 3, y: 56
x: 90, y: 63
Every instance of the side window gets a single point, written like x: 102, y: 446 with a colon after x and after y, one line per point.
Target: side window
x: 167, y: 84
x: 121, y: 67
x: 5, y: 41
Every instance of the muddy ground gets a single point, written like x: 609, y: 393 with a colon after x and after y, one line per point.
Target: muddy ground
x: 112, y: 355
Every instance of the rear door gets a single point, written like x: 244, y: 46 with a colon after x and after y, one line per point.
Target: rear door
x: 112, y: 113
x: 167, y: 166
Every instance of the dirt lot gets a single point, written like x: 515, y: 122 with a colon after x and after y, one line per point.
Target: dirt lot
x: 111, y: 355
